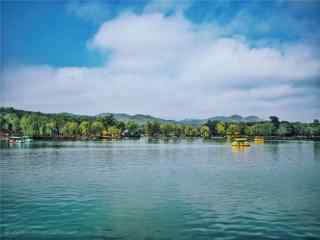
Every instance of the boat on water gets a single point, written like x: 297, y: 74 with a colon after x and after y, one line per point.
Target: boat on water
x: 259, y: 140
x: 14, y: 139
x: 23, y: 139
x: 240, y: 142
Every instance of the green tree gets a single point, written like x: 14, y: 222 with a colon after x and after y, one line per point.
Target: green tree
x: 107, y: 120
x: 212, y: 127
x: 50, y: 128
x: 32, y: 125
x: 133, y: 129
x: 167, y: 129
x: 275, y: 121
x: 152, y: 129
x: 148, y: 128
x: 84, y: 128
x: 263, y: 129
x: 310, y: 131
x: 233, y: 129
x: 114, y: 132
x: 284, y: 129
x: 26, y: 125
x: 60, y: 120
x: 3, y: 122
x: 96, y: 128
x: 13, y: 121
x: 178, y: 130
x: 195, y: 132
x: 43, y: 128
x: 70, y: 129
x: 205, y: 132
x: 316, y: 130
x: 221, y: 128
x: 248, y: 130
x: 120, y: 125
x: 156, y: 128
x: 188, y: 131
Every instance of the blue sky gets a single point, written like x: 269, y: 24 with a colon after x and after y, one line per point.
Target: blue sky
x: 174, y: 59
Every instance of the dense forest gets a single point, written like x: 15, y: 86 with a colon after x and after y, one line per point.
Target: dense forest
x: 70, y: 126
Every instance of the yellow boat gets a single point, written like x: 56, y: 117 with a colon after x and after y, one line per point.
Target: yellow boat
x: 240, y: 142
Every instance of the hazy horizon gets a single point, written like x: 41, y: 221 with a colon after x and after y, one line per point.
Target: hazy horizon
x: 170, y: 59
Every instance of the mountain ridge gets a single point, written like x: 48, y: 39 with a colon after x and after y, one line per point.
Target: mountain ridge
x: 143, y: 118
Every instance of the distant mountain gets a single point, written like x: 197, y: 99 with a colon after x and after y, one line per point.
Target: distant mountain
x: 233, y: 118
x: 142, y: 118
x: 237, y: 118
x: 139, y: 118
x: 253, y: 119
x: 192, y: 121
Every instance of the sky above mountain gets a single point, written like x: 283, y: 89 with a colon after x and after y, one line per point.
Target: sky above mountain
x: 172, y: 59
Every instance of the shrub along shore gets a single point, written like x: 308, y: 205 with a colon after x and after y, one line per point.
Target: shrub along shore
x: 66, y: 126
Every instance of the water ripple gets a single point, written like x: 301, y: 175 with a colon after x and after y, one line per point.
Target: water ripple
x: 140, y: 190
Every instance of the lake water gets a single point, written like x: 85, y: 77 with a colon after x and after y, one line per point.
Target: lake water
x: 139, y: 189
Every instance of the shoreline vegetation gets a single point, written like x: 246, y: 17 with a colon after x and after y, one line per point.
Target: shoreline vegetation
x: 65, y: 126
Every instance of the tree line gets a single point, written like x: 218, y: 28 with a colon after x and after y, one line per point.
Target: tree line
x: 63, y: 125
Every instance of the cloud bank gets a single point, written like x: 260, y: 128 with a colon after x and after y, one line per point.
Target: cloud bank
x: 170, y: 67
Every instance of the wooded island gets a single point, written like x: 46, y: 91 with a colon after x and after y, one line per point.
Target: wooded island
x: 39, y: 125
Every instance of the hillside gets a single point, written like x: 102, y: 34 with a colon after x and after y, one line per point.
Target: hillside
x: 142, y: 118
x: 232, y: 118
x: 139, y: 118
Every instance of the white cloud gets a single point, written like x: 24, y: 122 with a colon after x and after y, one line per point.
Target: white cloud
x: 170, y: 67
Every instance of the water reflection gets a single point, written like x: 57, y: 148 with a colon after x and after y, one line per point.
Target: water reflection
x: 316, y: 151
x: 153, y: 140
x: 274, y: 150
x: 237, y: 149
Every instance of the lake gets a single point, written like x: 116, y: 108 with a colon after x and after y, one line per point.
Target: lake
x: 140, y: 189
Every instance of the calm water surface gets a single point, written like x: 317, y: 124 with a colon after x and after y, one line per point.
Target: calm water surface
x: 157, y: 190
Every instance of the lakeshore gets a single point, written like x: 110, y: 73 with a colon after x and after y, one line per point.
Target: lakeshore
x: 37, y: 125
